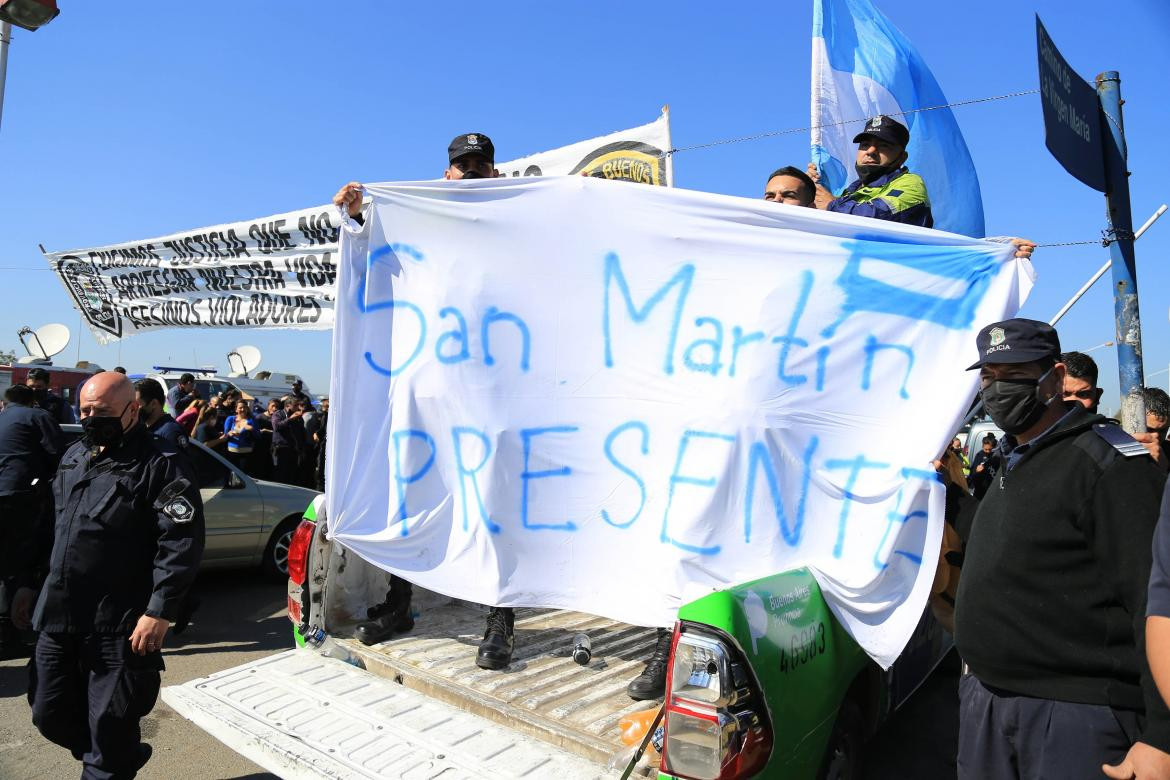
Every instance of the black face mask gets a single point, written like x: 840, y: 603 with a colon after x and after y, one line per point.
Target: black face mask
x: 103, y: 431
x: 40, y: 393
x: 868, y: 173
x: 471, y: 175
x: 1014, y: 404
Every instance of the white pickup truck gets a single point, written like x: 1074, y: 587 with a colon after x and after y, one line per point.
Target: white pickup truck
x: 796, y: 703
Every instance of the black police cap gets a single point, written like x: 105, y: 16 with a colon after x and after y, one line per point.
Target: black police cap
x: 1016, y: 341
x: 471, y: 143
x: 886, y: 129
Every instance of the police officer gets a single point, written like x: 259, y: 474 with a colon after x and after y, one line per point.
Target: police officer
x: 150, y: 398
x: 469, y: 156
x: 885, y: 187
x: 1049, y: 615
x: 30, y: 446
x: 44, y: 398
x: 129, y: 539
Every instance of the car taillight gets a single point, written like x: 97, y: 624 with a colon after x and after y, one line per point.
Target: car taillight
x: 716, y: 725
x: 298, y: 551
x: 294, y: 611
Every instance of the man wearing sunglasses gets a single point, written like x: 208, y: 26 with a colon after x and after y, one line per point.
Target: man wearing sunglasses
x: 1049, y: 616
x: 1080, y: 386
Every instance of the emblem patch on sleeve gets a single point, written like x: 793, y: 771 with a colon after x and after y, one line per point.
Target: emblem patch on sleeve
x: 179, y: 509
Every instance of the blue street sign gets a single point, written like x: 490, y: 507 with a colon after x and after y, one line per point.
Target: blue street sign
x: 1072, y: 115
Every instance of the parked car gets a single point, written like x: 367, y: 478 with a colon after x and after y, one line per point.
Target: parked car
x: 974, y: 436
x: 249, y: 522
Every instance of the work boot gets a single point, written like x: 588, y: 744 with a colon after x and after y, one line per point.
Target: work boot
x: 392, y: 616
x: 651, y: 683
x: 495, y: 651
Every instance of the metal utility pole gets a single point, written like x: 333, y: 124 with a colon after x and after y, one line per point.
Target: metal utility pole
x: 1119, y: 229
x: 5, y: 39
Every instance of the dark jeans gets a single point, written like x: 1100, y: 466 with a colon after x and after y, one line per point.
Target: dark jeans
x: 88, y: 693
x: 284, y: 465
x: 1005, y: 736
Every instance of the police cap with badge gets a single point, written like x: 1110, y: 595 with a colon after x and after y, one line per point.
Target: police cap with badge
x: 885, y: 129
x: 1016, y: 341
x: 471, y: 143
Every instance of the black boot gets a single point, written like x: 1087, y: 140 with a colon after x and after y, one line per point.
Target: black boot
x: 651, y: 683
x: 495, y: 651
x: 390, y: 617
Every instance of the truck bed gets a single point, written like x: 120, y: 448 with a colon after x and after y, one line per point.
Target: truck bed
x: 543, y: 693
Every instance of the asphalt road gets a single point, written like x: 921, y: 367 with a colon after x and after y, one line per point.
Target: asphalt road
x: 242, y: 618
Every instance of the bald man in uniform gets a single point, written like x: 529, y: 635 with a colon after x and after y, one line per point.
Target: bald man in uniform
x: 129, y: 538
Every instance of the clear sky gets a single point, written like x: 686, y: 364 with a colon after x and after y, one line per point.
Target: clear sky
x: 135, y: 119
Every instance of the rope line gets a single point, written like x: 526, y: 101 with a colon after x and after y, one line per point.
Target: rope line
x: 791, y: 130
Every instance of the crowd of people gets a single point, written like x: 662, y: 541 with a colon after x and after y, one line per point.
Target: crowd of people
x: 283, y: 442
x: 1056, y: 582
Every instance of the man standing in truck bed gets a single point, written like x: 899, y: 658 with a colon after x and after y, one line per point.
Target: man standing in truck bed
x: 469, y: 156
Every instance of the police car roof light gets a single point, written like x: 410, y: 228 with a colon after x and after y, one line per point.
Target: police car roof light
x: 208, y: 370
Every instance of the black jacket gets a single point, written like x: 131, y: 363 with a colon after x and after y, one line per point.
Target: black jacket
x: 59, y: 410
x: 1052, y: 599
x: 129, y: 537
x: 30, y: 445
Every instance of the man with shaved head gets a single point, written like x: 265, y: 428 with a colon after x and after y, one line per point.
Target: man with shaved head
x: 129, y: 538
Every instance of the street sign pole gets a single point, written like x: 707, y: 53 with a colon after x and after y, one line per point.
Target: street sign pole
x: 5, y: 38
x: 1119, y: 231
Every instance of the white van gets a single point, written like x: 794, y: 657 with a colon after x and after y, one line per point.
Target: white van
x: 266, y: 385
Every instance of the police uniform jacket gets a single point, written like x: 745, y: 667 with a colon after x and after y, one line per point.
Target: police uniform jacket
x: 129, y: 537
x: 30, y: 443
x: 55, y: 405
x: 171, y: 432
x: 1052, y: 600
x: 898, y: 196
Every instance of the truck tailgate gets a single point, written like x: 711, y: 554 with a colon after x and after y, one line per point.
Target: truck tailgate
x: 302, y: 715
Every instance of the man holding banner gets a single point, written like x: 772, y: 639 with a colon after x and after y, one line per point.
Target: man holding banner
x: 885, y: 189
x: 469, y: 156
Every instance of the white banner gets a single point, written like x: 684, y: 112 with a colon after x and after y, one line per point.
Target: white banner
x: 280, y: 271
x: 573, y: 393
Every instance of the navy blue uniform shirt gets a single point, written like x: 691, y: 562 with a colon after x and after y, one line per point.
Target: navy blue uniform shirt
x: 1158, y: 602
x: 30, y: 445
x: 171, y: 432
x: 129, y: 537
x: 57, y: 408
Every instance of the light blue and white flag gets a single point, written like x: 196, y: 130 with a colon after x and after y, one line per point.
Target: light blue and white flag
x: 862, y: 65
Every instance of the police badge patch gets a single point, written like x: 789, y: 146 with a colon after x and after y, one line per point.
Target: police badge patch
x: 179, y: 509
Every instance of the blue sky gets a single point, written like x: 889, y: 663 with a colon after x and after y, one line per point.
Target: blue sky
x: 135, y: 119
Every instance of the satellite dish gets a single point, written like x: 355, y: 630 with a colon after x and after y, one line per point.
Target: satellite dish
x: 243, y: 360
x: 45, y: 341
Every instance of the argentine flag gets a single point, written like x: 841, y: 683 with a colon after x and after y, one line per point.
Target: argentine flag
x: 863, y: 66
